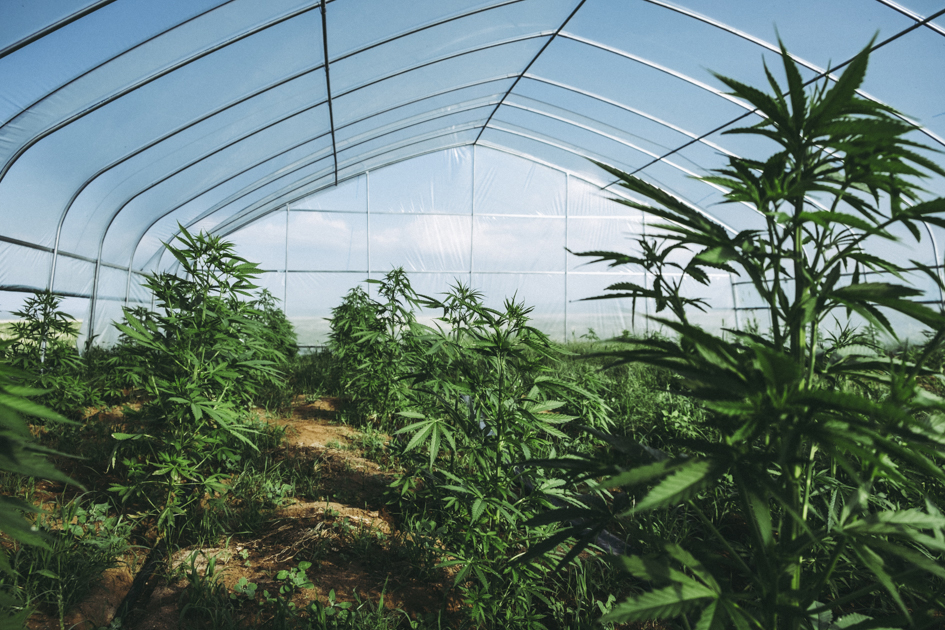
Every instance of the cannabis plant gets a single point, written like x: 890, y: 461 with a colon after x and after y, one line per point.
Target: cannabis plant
x: 483, y: 401
x: 204, y: 355
x: 374, y: 348
x: 833, y: 494
x: 20, y: 456
x: 44, y: 345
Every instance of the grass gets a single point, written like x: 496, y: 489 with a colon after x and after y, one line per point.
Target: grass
x: 82, y: 541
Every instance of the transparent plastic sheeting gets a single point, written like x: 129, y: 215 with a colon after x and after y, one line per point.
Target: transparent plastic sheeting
x: 122, y: 119
x: 467, y: 233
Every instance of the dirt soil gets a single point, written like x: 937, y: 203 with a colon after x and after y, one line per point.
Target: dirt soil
x: 349, y: 537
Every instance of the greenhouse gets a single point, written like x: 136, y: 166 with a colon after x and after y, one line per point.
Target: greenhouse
x: 437, y: 197
x: 453, y: 139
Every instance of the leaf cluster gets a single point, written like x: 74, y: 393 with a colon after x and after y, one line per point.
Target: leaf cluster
x: 837, y: 487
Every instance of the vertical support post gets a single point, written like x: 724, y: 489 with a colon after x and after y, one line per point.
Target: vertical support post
x: 367, y: 222
x: 94, y: 301
x: 731, y: 283
x: 567, y: 244
x: 472, y: 218
x: 285, y: 269
x: 331, y: 113
x: 646, y: 304
x: 938, y: 264
x: 55, y: 256
x: 128, y: 286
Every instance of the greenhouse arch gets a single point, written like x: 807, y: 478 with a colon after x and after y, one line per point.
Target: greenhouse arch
x: 225, y: 117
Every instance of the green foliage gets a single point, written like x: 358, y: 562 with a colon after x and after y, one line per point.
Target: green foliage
x: 82, y: 543
x: 484, y: 401
x: 44, y: 345
x: 22, y: 457
x: 837, y: 489
x: 206, y: 353
x: 374, y: 348
x: 314, y: 374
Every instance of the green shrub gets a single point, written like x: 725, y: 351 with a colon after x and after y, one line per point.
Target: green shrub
x: 22, y: 458
x: 44, y: 345
x: 83, y: 541
x: 485, y: 401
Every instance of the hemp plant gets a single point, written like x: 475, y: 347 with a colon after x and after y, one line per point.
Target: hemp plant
x: 484, y: 402
x: 203, y: 356
x: 837, y: 489
x: 374, y: 347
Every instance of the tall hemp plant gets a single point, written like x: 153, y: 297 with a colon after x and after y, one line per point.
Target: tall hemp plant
x: 837, y: 488
x: 203, y: 356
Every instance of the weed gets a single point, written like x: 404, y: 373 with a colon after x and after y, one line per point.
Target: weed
x: 44, y: 344
x: 372, y: 444
x: 807, y: 496
x: 83, y: 541
x: 22, y: 462
x: 294, y: 579
x: 374, y: 347
x: 205, y: 354
x: 206, y: 602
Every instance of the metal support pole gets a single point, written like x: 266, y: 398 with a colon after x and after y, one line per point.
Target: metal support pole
x: 367, y: 222
x: 567, y: 244
x: 94, y: 301
x: 472, y: 218
x: 128, y: 286
x: 938, y: 264
x: 285, y: 269
x: 331, y: 113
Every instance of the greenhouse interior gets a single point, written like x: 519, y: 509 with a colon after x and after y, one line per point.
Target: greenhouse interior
x: 455, y: 140
x: 486, y: 154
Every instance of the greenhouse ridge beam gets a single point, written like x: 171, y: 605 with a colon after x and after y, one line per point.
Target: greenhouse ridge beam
x: 331, y: 113
x: 446, y: 58
x: 254, y: 31
x: 528, y: 67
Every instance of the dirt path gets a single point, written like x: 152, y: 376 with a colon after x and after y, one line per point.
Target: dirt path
x: 347, y: 535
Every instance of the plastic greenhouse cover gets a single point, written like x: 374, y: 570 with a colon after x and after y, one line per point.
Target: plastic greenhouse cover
x: 90, y: 41
x: 24, y: 267
x: 510, y: 185
x: 310, y: 298
x: 23, y: 21
x: 327, y: 241
x: 220, y: 81
x: 146, y: 210
x: 470, y: 35
x: 263, y: 242
x: 459, y: 131
x: 132, y: 175
x: 446, y: 187
x: 349, y: 196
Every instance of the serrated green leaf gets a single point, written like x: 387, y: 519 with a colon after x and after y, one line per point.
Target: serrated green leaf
x: 683, y: 484
x: 664, y: 603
